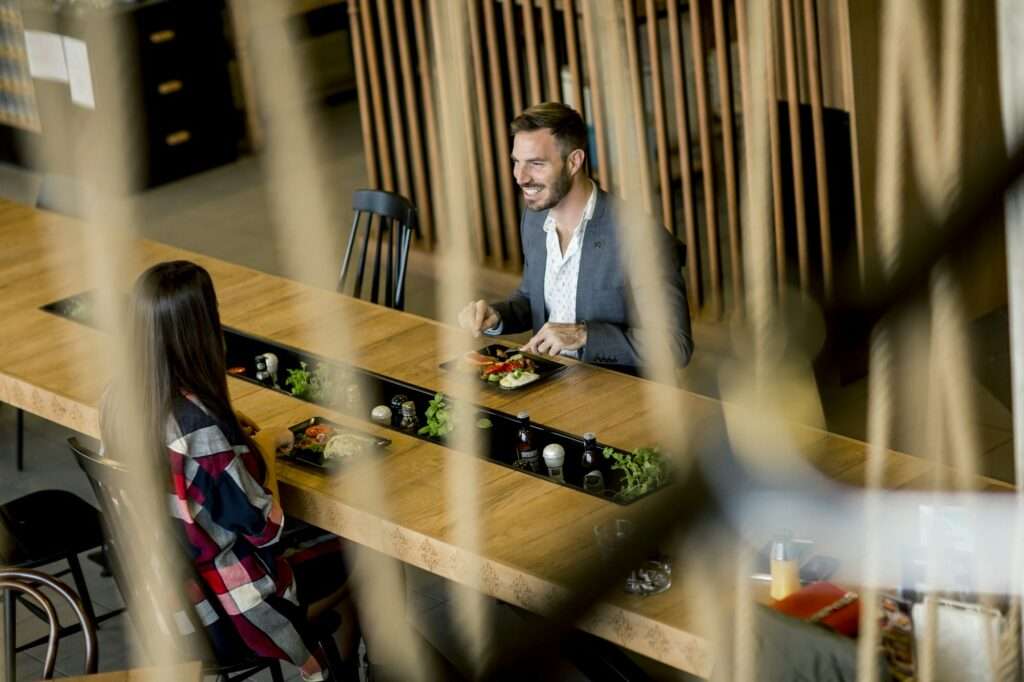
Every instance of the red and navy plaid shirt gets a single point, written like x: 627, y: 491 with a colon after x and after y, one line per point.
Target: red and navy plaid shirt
x: 231, y: 524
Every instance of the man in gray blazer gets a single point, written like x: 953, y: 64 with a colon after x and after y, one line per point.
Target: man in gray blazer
x: 575, y: 293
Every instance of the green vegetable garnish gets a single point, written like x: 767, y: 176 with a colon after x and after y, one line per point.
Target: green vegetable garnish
x: 643, y: 470
x: 439, y: 418
x: 483, y: 423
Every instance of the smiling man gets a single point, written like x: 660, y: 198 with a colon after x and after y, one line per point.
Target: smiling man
x: 575, y: 294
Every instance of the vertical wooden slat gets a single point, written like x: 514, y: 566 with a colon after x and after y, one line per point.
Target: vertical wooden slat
x: 795, y: 143
x: 742, y: 46
x: 572, y: 47
x: 380, y: 127
x: 394, y: 104
x: 491, y: 219
x: 776, y: 151
x: 664, y: 177
x: 707, y: 165
x: 243, y: 55
x: 369, y: 150
x: 596, y: 105
x: 512, y: 55
x: 532, y: 63
x: 427, y: 97
x: 728, y: 152
x: 547, y: 18
x: 419, y: 172
x: 508, y: 200
x: 637, y: 89
x: 817, y: 118
x: 683, y: 134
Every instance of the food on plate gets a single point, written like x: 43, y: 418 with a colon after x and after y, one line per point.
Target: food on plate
x: 344, y: 445
x: 519, y: 377
x: 506, y: 368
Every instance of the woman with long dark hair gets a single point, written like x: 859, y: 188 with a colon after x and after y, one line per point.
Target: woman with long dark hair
x: 173, y: 396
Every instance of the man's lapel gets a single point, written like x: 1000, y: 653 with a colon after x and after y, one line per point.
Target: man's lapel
x: 595, y: 244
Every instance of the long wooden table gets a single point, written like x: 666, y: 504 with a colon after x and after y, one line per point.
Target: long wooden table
x: 532, y: 531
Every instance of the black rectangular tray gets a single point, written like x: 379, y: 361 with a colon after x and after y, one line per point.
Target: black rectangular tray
x: 545, y: 368
x: 316, y: 459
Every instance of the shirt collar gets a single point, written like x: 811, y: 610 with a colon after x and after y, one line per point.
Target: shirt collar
x: 588, y: 211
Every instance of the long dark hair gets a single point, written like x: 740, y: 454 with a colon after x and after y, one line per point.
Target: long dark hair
x: 176, y: 346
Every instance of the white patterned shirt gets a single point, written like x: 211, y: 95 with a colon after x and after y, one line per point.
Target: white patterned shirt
x: 562, y: 270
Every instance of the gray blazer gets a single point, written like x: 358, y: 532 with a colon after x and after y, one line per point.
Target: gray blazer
x: 605, y: 299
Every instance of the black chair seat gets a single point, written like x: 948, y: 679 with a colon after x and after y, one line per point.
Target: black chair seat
x: 44, y: 526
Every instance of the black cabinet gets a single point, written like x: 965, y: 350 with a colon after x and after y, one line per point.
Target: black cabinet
x: 167, y: 85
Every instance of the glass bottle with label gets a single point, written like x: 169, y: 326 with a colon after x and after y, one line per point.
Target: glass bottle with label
x: 527, y: 455
x: 593, y: 479
x: 410, y: 422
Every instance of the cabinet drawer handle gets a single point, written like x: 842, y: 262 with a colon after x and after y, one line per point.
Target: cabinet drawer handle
x: 167, y: 87
x: 179, y: 137
x: 158, y: 37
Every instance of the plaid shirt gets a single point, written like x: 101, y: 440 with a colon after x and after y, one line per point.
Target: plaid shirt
x: 231, y: 524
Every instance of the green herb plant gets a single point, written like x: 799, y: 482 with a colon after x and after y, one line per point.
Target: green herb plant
x: 439, y: 418
x: 316, y: 385
x: 298, y: 381
x: 643, y: 470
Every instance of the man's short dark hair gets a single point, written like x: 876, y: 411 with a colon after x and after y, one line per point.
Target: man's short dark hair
x: 564, y: 122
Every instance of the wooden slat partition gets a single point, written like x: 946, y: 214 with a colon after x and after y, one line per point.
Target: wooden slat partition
x: 394, y: 104
x: 532, y: 60
x: 492, y: 222
x: 516, y: 64
x: 775, y: 145
x: 572, y: 50
x: 729, y: 152
x: 707, y: 165
x: 365, y: 114
x: 820, y: 167
x: 554, y: 79
x: 513, y: 248
x: 597, y: 106
x: 387, y: 179
x: 795, y: 144
x: 661, y: 134
x: 419, y: 170
x: 685, y: 166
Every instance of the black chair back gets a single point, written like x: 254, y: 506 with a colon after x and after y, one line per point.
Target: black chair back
x: 396, y: 223
x: 157, y: 578
x: 27, y: 582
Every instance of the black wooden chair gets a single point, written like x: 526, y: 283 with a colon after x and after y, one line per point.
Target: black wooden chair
x: 42, y: 528
x: 123, y: 530
x: 396, y: 222
x: 27, y: 583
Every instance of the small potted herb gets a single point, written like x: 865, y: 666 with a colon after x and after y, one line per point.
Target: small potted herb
x: 643, y: 470
x: 439, y: 418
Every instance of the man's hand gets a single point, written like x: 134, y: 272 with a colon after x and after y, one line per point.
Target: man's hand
x: 478, y: 316
x: 249, y: 427
x: 554, y: 337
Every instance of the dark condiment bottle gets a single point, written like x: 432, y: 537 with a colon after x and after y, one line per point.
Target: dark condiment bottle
x: 527, y: 454
x: 593, y: 479
x: 396, y: 409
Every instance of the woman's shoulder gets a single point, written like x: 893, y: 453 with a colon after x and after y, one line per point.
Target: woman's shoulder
x: 195, y: 431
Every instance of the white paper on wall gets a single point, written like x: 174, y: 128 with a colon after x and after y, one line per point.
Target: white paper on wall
x: 76, y: 55
x: 46, y: 56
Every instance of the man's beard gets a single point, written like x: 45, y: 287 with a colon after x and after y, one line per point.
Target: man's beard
x: 557, y: 191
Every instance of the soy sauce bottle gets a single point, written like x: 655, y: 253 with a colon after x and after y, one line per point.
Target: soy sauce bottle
x: 527, y: 454
x: 593, y: 479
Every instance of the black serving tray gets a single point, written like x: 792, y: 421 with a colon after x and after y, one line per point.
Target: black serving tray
x: 545, y: 368
x: 313, y: 458
x: 497, y: 444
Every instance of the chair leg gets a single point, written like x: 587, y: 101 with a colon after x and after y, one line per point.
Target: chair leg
x: 81, y: 586
x: 20, y: 442
x: 9, y: 635
x: 275, y: 672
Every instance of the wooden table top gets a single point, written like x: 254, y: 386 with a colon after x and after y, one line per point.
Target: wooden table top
x: 56, y: 369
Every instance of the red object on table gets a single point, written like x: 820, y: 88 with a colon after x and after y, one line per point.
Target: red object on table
x: 815, y: 597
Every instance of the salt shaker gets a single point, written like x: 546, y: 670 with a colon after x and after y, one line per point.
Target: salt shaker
x: 381, y: 414
x: 554, y: 458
